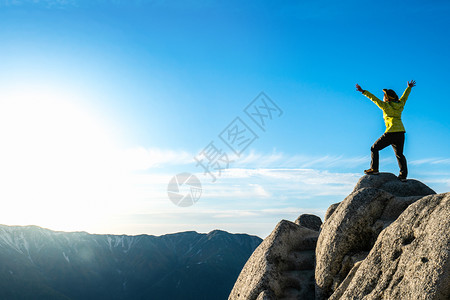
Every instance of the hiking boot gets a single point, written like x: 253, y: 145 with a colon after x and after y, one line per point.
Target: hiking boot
x: 371, y: 172
x: 402, y: 178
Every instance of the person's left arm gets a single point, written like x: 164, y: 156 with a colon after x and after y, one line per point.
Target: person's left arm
x: 405, y: 95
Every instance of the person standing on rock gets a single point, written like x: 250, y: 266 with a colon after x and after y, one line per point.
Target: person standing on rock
x: 394, y: 135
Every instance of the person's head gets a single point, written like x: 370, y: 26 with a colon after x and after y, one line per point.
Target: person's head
x: 389, y: 95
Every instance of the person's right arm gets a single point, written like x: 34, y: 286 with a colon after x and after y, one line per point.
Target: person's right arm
x: 369, y: 95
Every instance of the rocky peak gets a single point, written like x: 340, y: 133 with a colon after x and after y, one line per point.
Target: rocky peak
x: 386, y: 240
x: 389, y: 182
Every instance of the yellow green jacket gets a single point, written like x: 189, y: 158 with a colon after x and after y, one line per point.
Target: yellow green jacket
x: 392, y: 111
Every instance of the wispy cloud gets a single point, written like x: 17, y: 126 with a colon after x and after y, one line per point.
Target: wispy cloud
x: 253, y: 159
x: 269, y: 188
x: 257, y: 188
x: 431, y: 161
x: 141, y: 158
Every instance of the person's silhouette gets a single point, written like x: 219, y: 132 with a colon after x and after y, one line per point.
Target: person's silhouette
x: 394, y: 135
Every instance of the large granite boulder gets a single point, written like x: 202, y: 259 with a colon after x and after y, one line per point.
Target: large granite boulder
x: 389, y: 182
x: 282, y: 267
x: 309, y: 221
x: 352, y: 226
x: 410, y: 259
x: 386, y: 240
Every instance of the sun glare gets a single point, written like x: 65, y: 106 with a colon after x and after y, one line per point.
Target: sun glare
x: 56, y: 162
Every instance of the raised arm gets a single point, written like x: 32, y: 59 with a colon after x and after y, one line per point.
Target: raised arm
x: 374, y: 99
x: 405, y: 95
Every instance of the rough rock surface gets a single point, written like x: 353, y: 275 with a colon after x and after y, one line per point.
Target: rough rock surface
x: 348, y: 234
x: 410, y: 259
x: 282, y: 267
x: 352, y: 226
x: 386, y: 240
x: 331, y: 210
x: 389, y: 182
x: 309, y: 221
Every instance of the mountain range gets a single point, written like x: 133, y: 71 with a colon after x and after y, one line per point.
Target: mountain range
x: 38, y: 263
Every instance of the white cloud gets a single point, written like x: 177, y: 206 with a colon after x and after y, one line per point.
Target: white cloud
x: 113, y: 181
x: 141, y: 158
x: 253, y: 159
x: 432, y: 161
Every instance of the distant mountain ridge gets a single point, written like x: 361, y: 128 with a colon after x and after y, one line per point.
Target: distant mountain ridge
x: 38, y: 263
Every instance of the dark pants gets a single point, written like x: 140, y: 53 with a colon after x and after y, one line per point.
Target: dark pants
x: 397, y: 140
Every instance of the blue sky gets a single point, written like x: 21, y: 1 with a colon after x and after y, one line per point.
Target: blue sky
x: 102, y: 102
